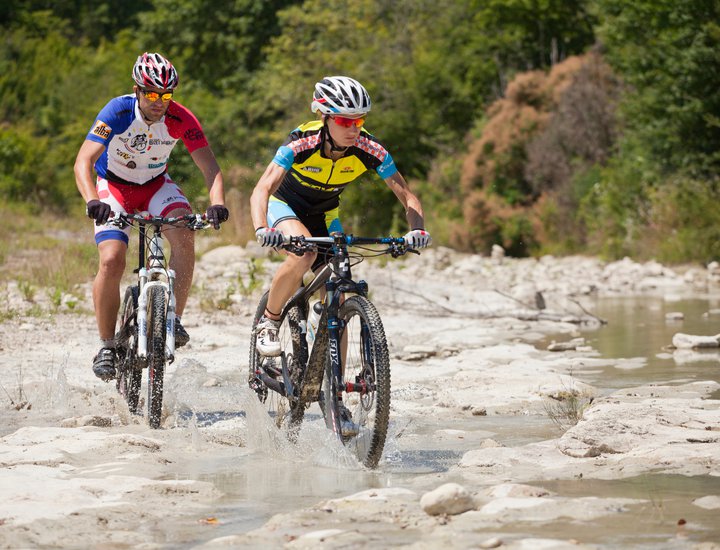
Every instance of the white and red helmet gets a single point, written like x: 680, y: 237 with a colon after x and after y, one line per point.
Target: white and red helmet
x: 340, y: 95
x: 152, y: 70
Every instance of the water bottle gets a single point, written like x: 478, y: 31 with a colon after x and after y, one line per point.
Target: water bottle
x: 313, y: 320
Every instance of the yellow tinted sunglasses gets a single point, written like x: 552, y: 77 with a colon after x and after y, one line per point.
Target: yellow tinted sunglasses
x: 154, y: 96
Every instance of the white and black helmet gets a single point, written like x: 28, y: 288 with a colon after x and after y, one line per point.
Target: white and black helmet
x: 340, y: 95
x: 152, y: 70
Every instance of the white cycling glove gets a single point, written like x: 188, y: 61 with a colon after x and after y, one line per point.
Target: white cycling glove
x: 418, y: 238
x: 269, y: 236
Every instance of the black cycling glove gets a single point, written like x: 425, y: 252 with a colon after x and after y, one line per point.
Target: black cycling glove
x: 217, y: 214
x: 98, y: 211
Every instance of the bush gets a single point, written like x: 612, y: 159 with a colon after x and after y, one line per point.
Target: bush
x: 684, y: 221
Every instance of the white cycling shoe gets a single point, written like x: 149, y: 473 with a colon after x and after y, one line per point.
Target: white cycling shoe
x: 267, y: 342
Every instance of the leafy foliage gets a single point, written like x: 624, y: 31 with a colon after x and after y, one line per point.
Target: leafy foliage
x: 669, y: 53
x: 505, y: 135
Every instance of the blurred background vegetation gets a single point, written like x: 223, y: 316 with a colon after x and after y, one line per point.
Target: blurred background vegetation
x: 545, y: 126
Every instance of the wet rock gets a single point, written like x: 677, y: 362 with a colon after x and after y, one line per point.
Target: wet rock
x: 572, y: 345
x: 710, y: 502
x: 313, y: 538
x: 449, y: 499
x: 97, y: 421
x: 674, y: 316
x: 689, y: 341
x: 515, y: 490
x: 87, y: 420
x: 417, y: 353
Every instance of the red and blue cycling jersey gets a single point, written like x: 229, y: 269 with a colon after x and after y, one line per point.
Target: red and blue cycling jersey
x: 137, y: 153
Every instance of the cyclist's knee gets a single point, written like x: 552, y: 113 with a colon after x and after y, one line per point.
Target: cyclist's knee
x: 112, y: 257
x: 112, y: 263
x: 301, y: 263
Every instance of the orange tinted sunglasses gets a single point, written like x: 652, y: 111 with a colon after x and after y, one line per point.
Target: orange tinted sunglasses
x: 348, y: 122
x: 154, y: 96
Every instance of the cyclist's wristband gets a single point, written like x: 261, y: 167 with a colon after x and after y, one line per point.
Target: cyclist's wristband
x: 418, y: 229
x: 259, y: 228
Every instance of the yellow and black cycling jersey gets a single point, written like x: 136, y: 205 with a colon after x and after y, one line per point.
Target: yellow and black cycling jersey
x: 313, y: 182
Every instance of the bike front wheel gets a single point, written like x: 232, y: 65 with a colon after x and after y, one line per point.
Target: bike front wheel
x: 129, y: 377
x: 156, y: 354
x: 266, y: 373
x: 367, y: 378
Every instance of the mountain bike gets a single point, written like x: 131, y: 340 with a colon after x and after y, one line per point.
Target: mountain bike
x: 347, y: 366
x: 146, y: 333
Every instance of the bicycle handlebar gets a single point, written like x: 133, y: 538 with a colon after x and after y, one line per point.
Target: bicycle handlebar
x: 194, y: 222
x: 396, y: 246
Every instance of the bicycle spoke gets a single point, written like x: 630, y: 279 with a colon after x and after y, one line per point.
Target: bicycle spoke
x: 266, y: 373
x: 129, y: 376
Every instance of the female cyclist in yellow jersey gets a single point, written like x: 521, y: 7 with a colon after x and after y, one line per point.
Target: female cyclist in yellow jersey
x: 299, y: 192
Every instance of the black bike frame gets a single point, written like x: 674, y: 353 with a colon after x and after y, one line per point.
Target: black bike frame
x: 336, y: 277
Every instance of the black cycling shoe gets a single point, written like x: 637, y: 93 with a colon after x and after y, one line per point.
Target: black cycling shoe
x: 104, y: 364
x: 181, y: 335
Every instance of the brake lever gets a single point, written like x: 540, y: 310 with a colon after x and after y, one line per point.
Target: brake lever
x: 119, y: 221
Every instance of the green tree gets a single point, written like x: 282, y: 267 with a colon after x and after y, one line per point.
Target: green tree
x: 92, y: 21
x: 217, y: 43
x: 669, y: 53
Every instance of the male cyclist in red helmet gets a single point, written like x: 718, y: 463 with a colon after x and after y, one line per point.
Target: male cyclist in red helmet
x: 299, y: 192
x: 129, y: 146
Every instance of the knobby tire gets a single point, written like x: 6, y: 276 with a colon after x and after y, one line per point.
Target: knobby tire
x: 156, y: 354
x: 367, y: 361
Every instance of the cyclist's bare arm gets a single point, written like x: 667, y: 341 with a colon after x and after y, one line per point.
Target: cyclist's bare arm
x: 413, y: 208
x: 205, y: 160
x: 89, y: 152
x: 266, y: 186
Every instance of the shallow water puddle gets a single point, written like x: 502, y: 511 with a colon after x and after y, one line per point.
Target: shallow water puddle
x: 666, y: 519
x: 271, y: 475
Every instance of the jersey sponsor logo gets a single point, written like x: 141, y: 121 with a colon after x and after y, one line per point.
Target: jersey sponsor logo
x: 309, y: 185
x: 123, y: 154
x: 131, y: 165
x: 347, y: 170
x: 193, y: 134
x: 174, y: 198
x: 158, y: 141
x: 156, y: 165
x: 101, y: 129
x: 314, y: 169
x: 139, y: 142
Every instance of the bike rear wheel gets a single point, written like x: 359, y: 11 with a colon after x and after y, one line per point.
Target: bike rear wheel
x: 266, y: 373
x: 156, y: 354
x: 129, y: 377
x: 367, y: 368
